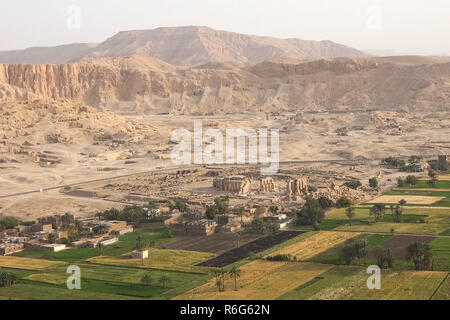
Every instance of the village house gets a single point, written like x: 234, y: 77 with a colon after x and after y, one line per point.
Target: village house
x: 202, y: 227
x: 10, y: 248
x: 50, y: 247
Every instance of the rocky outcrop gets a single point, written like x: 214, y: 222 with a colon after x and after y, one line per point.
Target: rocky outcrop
x: 142, y: 84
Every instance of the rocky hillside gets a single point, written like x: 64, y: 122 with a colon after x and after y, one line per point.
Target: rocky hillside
x: 142, y: 84
x: 185, y: 46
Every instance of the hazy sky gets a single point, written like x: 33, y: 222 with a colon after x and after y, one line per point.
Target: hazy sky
x: 405, y: 26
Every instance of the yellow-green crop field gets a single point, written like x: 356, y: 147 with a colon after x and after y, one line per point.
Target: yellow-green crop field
x: 163, y: 259
x: 260, y: 280
x: 27, y: 263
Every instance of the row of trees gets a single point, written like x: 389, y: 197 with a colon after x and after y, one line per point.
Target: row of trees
x: 357, y: 249
x: 433, y: 178
x: 327, y: 203
x: 355, y: 184
x: 147, y: 281
x: 221, y: 206
x: 220, y: 275
x: 138, y: 214
x: 408, y: 181
x: 8, y: 223
x: 8, y: 279
x: 421, y: 255
x: 313, y: 212
x: 264, y: 227
x: 378, y: 211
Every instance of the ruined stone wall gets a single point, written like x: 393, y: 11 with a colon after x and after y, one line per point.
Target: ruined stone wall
x: 295, y: 189
x: 267, y: 185
x: 240, y: 185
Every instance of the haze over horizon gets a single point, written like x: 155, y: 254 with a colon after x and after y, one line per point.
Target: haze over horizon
x: 404, y: 27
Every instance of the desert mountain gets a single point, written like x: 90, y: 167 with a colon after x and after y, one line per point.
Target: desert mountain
x: 43, y: 55
x: 184, y: 46
x: 143, y: 84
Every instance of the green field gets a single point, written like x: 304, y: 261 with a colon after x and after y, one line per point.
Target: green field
x: 114, y: 275
x: 415, y: 220
x: 338, y: 283
x: 333, y: 255
x: 120, y: 281
x: 349, y: 283
x: 97, y: 281
x: 126, y: 244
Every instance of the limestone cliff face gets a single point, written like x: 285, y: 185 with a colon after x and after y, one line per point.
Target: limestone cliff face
x: 141, y: 84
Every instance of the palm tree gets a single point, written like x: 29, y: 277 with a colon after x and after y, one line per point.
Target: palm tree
x: 398, y: 213
x: 7, y: 279
x: 237, y: 240
x: 392, y: 209
x: 220, y: 279
x: 235, y: 273
x: 402, y: 203
x: 421, y: 254
x: 273, y: 209
x: 350, y: 212
x: 240, y: 212
x: 100, y: 247
x: 378, y: 211
x: 147, y: 280
x: 140, y: 242
x: 164, y: 281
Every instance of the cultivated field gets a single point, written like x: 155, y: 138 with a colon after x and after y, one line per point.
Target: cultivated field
x: 335, y: 284
x: 349, y: 283
x: 316, y: 244
x: 260, y: 280
x: 423, y: 200
x: 217, y: 243
x: 51, y: 278
x: 399, y: 244
x: 404, y: 285
x: 251, y: 248
x: 164, y: 259
x: 26, y: 263
x: 415, y: 220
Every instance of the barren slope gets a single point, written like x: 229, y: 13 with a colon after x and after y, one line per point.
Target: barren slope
x: 142, y: 84
x: 187, y: 46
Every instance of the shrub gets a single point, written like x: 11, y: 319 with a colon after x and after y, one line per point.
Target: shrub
x: 355, y: 184
x: 311, y: 213
x: 325, y: 203
x: 373, y: 182
x: 411, y: 180
x: 281, y: 257
x: 343, y: 203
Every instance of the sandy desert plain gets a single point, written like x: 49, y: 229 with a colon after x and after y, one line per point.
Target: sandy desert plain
x: 84, y: 137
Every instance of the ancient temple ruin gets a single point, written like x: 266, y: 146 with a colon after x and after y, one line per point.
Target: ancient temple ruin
x: 295, y: 189
x: 238, y: 184
x: 267, y: 185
